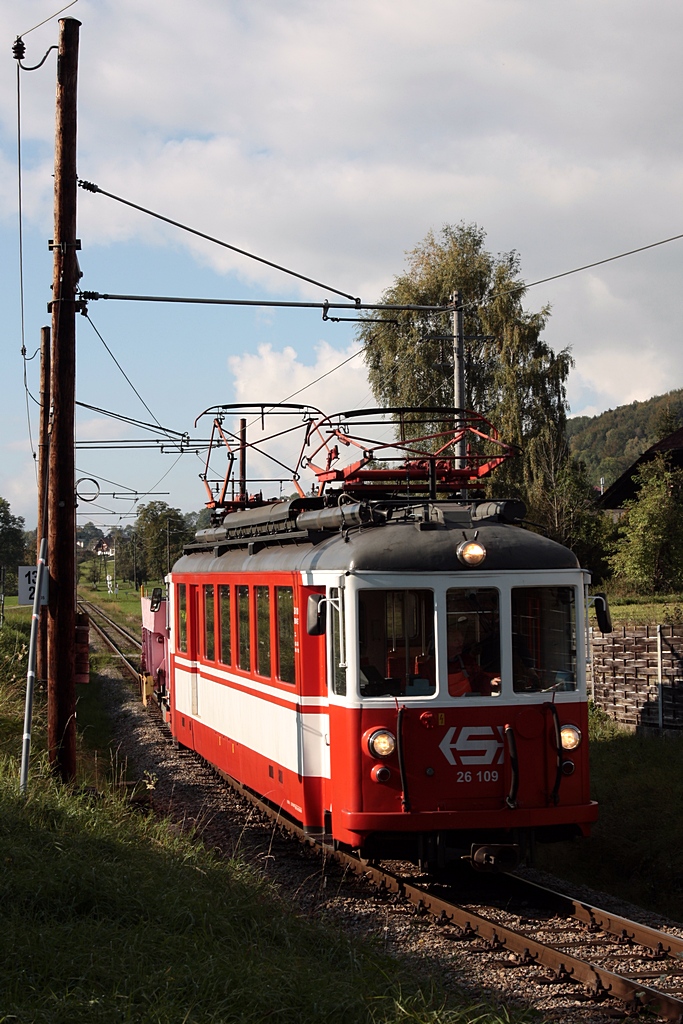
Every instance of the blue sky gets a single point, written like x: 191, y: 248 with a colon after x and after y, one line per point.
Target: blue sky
x: 330, y: 137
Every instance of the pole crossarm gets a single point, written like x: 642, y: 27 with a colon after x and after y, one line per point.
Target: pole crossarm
x: 392, y: 307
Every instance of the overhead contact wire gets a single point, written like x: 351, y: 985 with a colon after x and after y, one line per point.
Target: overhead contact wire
x: 129, y: 381
x: 45, y: 21
x: 90, y: 187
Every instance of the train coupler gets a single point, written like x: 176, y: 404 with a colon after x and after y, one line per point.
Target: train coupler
x: 494, y: 857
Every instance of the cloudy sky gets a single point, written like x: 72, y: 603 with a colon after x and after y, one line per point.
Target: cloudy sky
x: 330, y: 137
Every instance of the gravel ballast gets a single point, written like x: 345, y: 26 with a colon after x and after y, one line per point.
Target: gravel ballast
x: 188, y: 791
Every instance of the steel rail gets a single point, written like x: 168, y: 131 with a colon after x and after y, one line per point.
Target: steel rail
x: 130, y: 637
x: 131, y: 668
x: 601, y: 920
x: 598, y: 982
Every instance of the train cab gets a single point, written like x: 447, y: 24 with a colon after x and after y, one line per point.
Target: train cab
x: 465, y: 703
x: 400, y: 673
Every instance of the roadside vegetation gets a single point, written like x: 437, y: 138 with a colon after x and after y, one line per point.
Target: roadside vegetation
x: 633, y: 851
x: 644, y: 609
x: 111, y: 915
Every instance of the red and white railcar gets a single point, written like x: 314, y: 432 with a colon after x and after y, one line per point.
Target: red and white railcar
x: 401, y: 672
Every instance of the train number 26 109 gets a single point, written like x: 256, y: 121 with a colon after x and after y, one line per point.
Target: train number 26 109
x: 480, y: 776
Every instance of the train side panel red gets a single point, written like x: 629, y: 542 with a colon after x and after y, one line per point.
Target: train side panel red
x: 229, y: 702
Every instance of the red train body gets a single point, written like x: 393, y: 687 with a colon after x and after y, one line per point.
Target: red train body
x: 405, y: 676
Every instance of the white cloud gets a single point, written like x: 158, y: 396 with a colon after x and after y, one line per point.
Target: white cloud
x: 101, y: 429
x: 273, y: 376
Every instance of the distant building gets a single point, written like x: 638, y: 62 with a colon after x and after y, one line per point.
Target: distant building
x: 625, y: 489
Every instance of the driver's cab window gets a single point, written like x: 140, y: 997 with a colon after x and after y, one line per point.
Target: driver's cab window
x: 396, y: 643
x: 473, y: 642
x: 543, y: 639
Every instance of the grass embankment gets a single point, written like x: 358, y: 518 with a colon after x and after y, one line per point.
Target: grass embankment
x: 633, y: 851
x: 638, y: 610
x: 111, y: 916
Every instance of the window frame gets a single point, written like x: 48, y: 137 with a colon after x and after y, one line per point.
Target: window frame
x: 278, y: 634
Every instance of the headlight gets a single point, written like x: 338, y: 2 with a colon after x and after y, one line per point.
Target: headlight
x: 382, y: 743
x: 471, y: 552
x: 570, y: 737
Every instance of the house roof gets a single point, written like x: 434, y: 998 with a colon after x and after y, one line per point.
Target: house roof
x: 624, y: 488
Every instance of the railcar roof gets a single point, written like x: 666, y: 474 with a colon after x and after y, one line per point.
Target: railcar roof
x: 405, y: 546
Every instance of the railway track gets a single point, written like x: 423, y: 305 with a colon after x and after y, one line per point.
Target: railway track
x: 120, y: 641
x: 610, y: 957
x: 554, y: 939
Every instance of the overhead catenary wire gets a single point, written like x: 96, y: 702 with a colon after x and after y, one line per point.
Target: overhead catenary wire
x: 166, y: 431
x: 124, y: 374
x: 22, y: 303
x: 394, y: 307
x: 91, y: 187
x: 152, y: 489
x: 45, y: 20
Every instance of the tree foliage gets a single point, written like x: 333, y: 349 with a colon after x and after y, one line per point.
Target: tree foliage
x: 88, y: 535
x: 513, y: 377
x: 650, y: 552
x: 161, y: 532
x: 11, y: 537
x: 612, y: 441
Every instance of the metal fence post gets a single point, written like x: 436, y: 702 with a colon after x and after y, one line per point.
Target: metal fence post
x: 660, y: 685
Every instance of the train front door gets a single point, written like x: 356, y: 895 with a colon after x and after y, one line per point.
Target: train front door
x: 344, y: 789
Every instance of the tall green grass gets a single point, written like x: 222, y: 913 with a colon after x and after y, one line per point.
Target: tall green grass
x: 634, y: 847
x: 109, y: 915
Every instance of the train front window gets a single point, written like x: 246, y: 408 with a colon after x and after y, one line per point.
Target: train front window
x: 396, y: 636
x: 473, y: 642
x: 543, y: 639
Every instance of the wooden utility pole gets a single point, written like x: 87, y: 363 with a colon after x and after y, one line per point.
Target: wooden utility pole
x: 43, y: 452
x: 61, y: 724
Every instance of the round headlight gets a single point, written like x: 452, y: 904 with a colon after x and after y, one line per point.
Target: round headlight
x: 471, y: 552
x: 570, y: 737
x: 382, y: 743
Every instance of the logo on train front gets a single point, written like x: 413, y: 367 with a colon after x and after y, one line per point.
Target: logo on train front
x: 473, y: 744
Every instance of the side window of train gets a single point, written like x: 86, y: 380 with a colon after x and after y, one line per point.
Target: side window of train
x: 338, y: 669
x: 473, y: 642
x: 543, y: 639
x: 263, y: 631
x: 181, y: 594
x: 225, y: 653
x: 285, y: 634
x: 243, y: 628
x: 209, y: 623
x: 396, y: 643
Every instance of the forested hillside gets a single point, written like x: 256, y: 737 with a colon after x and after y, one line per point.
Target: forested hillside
x: 609, y: 443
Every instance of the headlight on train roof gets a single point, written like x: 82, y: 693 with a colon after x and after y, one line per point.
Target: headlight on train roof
x: 382, y: 743
x: 570, y: 737
x: 471, y: 552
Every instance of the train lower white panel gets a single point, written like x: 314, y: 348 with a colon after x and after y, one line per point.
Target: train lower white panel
x: 298, y: 741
